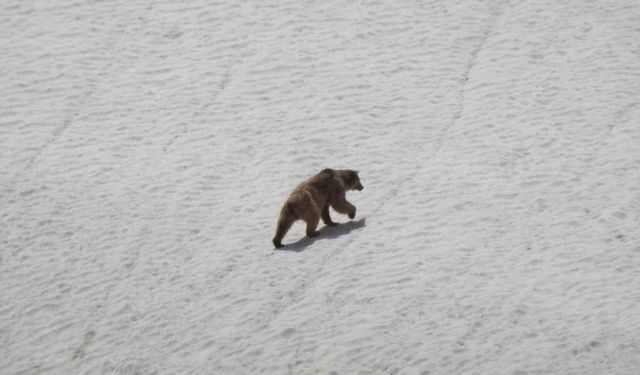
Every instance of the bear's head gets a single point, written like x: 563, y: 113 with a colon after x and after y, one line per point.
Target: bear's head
x: 350, y: 179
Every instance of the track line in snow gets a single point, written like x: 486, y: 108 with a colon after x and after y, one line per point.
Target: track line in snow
x: 442, y: 138
x: 312, y: 277
x: 93, y: 84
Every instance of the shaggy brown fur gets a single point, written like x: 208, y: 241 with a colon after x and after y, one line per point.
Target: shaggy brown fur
x: 311, y: 199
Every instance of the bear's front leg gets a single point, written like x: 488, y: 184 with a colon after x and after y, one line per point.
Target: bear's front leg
x: 312, y: 225
x: 352, y: 214
x: 326, y: 218
x: 341, y: 205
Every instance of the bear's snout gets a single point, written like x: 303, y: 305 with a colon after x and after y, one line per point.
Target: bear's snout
x: 359, y: 187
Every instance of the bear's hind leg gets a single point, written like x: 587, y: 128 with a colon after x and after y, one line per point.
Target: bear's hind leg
x: 284, y: 224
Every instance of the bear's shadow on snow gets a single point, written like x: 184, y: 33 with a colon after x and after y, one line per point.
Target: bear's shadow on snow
x: 326, y: 233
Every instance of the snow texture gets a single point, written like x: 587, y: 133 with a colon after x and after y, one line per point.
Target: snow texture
x: 146, y: 148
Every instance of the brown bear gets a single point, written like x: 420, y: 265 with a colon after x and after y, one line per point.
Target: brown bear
x: 311, y: 199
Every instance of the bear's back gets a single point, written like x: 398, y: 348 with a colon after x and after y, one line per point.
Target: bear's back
x: 324, y: 182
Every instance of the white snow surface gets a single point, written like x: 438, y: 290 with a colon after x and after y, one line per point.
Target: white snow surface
x: 146, y: 148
